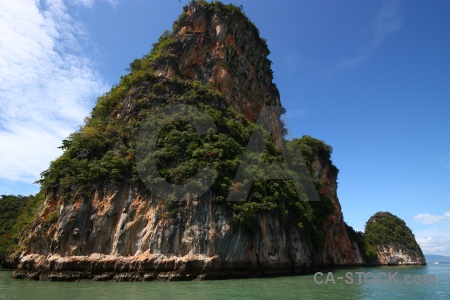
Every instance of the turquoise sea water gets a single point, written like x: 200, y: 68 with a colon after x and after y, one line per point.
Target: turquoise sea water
x: 294, y: 287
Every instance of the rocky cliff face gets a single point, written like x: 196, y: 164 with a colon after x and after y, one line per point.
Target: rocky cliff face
x: 100, y: 222
x: 390, y: 242
x: 224, y: 49
x: 395, y: 254
x: 339, y: 248
x: 121, y: 234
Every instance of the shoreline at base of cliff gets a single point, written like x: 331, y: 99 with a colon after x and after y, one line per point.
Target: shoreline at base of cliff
x: 156, y: 267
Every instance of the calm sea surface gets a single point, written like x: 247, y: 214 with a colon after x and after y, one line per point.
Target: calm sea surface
x: 295, y: 287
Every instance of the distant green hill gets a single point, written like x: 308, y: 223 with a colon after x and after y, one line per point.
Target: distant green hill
x: 432, y: 258
x: 388, y: 241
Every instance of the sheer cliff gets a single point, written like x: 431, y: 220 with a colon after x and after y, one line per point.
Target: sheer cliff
x: 100, y: 220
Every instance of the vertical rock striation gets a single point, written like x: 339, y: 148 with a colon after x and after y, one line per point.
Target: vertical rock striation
x: 225, y: 50
x: 114, y: 228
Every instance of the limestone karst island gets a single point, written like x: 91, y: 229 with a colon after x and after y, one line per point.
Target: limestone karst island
x: 108, y: 209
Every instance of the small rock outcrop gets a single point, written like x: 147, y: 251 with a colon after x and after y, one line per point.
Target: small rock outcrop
x: 389, y: 241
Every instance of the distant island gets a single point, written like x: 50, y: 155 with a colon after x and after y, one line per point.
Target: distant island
x: 432, y: 258
x: 388, y: 241
x: 182, y: 172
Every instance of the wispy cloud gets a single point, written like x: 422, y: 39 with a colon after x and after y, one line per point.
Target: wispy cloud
x: 85, y: 3
x: 388, y: 21
x: 47, y: 83
x: 90, y: 3
x: 429, y: 219
x: 431, y: 245
x: 114, y: 3
x: 434, y: 238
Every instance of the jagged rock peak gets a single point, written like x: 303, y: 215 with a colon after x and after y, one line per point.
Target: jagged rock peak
x: 100, y: 221
x: 217, y: 44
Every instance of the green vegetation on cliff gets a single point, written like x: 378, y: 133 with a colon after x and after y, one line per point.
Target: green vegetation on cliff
x: 10, y: 208
x: 103, y: 151
x: 385, y: 229
x: 16, y: 215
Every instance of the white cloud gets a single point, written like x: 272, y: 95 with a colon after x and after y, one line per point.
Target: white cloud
x: 114, y: 3
x: 431, y: 245
x: 429, y: 219
x: 85, y: 3
x: 47, y: 84
x: 90, y: 3
x: 434, y: 239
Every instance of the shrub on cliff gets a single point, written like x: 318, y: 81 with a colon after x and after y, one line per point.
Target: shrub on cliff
x: 104, y: 150
x: 16, y: 216
x: 10, y: 208
x: 385, y: 229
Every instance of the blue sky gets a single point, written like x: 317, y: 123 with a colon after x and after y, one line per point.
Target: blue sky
x: 370, y: 78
